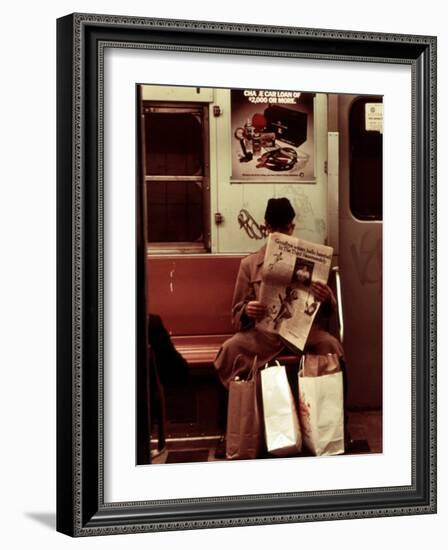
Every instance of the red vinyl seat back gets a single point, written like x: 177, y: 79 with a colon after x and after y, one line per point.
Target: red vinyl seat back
x: 192, y: 294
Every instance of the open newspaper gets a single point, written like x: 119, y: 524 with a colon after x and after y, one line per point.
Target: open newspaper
x: 290, y: 266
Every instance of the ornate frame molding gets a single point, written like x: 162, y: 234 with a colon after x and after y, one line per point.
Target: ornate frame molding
x: 82, y: 39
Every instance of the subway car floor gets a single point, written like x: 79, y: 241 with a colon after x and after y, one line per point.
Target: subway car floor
x: 365, y: 429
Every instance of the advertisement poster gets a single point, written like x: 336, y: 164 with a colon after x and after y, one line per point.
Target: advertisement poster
x: 272, y: 135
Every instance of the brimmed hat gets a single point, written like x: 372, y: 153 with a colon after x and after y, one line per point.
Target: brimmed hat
x: 279, y: 212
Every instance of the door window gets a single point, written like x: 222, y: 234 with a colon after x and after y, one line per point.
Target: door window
x: 366, y: 161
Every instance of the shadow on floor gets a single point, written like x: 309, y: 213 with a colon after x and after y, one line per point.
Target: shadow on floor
x: 48, y: 519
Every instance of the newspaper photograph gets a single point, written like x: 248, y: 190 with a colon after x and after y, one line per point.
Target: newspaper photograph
x: 290, y: 266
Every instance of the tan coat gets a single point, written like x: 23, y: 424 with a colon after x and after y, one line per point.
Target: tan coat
x: 236, y: 354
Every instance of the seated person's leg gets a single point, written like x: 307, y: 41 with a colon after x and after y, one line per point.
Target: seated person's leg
x: 321, y: 342
x: 236, y: 356
x: 232, y: 360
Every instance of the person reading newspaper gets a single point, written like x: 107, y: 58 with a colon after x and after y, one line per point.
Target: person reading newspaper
x: 251, y: 312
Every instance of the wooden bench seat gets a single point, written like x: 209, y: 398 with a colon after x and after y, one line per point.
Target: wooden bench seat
x: 193, y: 296
x: 199, y: 350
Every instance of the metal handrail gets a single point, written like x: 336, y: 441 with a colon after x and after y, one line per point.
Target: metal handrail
x: 337, y: 274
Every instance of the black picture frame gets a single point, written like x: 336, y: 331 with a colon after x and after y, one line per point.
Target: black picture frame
x: 81, y: 509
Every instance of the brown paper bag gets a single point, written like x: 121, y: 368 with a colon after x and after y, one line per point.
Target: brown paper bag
x: 244, y: 437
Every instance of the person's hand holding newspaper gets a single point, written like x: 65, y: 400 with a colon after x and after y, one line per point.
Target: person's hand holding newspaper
x: 321, y: 291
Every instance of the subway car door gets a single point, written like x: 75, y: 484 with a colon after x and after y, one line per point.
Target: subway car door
x: 360, y: 245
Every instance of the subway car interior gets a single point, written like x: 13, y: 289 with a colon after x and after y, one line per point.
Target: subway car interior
x: 208, y: 162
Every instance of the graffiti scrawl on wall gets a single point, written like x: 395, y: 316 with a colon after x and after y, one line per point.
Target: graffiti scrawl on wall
x: 247, y: 222
x: 367, y: 257
x: 309, y: 224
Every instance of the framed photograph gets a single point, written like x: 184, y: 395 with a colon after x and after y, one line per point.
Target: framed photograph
x: 246, y: 275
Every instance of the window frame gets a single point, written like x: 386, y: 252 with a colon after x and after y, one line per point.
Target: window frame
x: 179, y: 247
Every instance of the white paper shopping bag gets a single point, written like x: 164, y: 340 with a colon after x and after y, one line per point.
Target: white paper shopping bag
x: 283, y: 437
x: 321, y: 404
